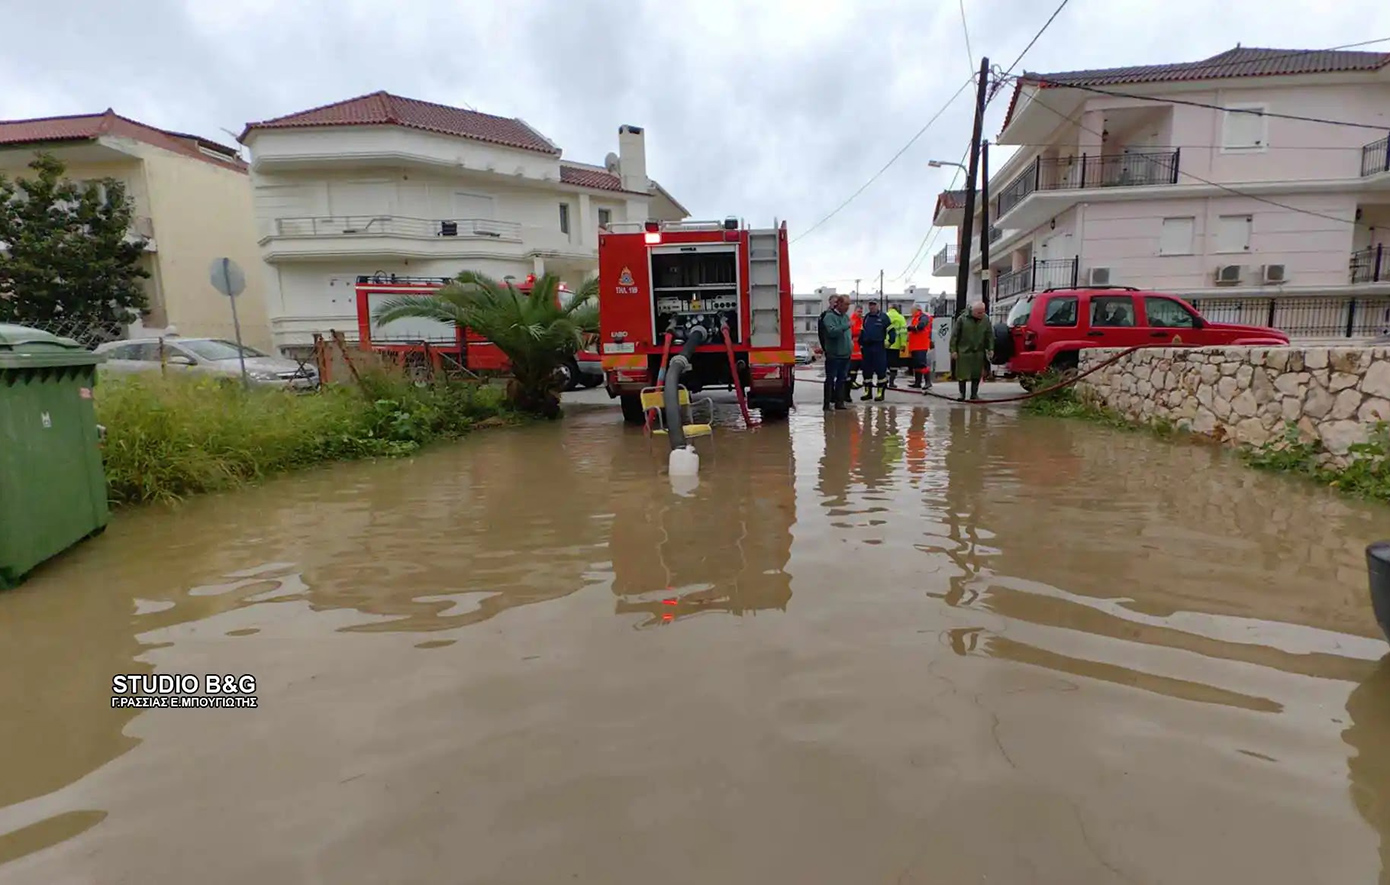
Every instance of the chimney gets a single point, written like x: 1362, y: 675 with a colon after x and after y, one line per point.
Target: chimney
x: 632, y: 159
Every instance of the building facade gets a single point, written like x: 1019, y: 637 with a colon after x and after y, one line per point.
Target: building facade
x: 1197, y: 179
x: 192, y: 204
x: 387, y: 185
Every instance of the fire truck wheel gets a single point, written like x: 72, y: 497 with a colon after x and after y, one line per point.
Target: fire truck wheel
x: 632, y: 408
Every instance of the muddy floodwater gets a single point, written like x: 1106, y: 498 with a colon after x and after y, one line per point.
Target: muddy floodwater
x: 953, y: 645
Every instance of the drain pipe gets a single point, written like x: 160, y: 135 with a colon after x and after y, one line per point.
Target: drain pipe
x: 675, y: 422
x: 1378, y: 565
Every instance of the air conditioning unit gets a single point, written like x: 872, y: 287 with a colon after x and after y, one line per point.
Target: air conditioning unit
x: 1275, y: 274
x: 1098, y: 276
x: 1228, y: 275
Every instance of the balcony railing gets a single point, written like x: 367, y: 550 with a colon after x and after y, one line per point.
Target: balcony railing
x: 395, y: 226
x: 947, y: 255
x: 995, y: 234
x: 1133, y: 169
x: 1055, y: 273
x: 1370, y: 266
x: 1375, y: 157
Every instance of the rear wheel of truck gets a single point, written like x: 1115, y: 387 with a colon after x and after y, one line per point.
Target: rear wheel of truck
x: 632, y: 408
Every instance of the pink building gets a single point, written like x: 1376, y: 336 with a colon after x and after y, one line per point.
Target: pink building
x: 1195, y: 180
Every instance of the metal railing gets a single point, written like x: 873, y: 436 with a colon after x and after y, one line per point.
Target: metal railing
x: 947, y: 255
x: 1131, y: 169
x: 395, y: 226
x: 1055, y: 273
x: 995, y: 234
x: 1370, y: 265
x: 1375, y: 157
x: 1313, y: 316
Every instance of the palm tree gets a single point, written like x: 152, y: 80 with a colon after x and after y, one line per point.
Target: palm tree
x: 536, y: 330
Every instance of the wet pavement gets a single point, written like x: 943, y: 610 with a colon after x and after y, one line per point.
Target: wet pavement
x: 942, y: 645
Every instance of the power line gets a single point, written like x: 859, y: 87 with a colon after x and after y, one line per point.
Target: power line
x: 1202, y: 180
x: 933, y: 231
x: 969, y: 53
x: 1046, y: 24
x: 910, y: 142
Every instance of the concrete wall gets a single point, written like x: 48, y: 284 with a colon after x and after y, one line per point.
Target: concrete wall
x: 1248, y: 395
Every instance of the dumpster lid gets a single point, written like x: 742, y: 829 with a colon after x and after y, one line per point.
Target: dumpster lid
x: 22, y: 346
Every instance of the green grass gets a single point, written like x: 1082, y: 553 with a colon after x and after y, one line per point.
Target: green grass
x: 1364, y: 473
x: 170, y: 438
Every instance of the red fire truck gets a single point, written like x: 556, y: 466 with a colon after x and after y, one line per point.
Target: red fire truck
x: 720, y: 282
x: 408, y: 339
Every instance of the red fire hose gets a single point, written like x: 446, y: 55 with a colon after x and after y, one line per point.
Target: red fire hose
x: 734, y: 380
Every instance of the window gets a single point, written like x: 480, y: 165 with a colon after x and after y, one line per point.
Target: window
x: 1061, y: 311
x: 1176, y: 236
x: 605, y: 217
x: 1019, y: 313
x: 1165, y: 313
x: 1244, y: 127
x: 1233, y: 233
x: 217, y: 349
x: 564, y: 218
x: 1112, y: 310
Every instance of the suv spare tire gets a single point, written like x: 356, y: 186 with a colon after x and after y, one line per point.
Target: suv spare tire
x: 1003, y: 344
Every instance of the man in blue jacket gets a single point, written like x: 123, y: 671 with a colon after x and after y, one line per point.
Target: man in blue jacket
x: 873, y: 343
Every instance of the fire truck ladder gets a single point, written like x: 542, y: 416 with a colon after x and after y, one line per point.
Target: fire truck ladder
x: 764, y: 287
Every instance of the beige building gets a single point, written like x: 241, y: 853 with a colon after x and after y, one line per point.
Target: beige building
x: 192, y: 203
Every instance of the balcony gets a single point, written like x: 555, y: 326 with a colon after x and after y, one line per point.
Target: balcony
x: 1375, y: 158
x: 1056, y: 273
x: 1053, y: 184
x: 389, y: 236
x: 1370, y: 266
x: 946, y: 263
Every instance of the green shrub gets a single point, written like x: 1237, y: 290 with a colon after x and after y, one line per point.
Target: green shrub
x: 167, y: 438
x: 1365, y: 472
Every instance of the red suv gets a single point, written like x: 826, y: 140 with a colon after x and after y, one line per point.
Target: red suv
x: 1046, y: 330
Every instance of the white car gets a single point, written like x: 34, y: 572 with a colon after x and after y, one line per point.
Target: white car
x: 211, y: 356
x: 804, y: 355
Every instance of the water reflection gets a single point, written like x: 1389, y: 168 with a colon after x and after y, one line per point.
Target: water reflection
x: 1368, y: 734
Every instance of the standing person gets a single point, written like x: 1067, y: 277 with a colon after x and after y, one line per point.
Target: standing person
x: 919, y: 347
x: 833, y: 330
x: 972, y: 346
x: 856, y: 357
x: 897, y: 344
x: 873, y: 341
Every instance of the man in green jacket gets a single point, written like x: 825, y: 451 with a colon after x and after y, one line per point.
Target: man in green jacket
x: 835, y: 341
x: 972, y: 346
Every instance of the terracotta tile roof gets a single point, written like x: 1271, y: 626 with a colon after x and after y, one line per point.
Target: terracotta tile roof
x: 1240, y: 61
x: 590, y: 176
x: 87, y: 127
x: 951, y: 200
x: 385, y: 109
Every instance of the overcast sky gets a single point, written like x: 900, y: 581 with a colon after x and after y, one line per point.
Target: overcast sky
x: 757, y: 109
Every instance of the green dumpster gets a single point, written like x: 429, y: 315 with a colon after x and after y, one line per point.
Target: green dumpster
x: 52, y: 488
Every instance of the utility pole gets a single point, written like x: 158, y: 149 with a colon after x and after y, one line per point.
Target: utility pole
x: 856, y: 293
x: 963, y: 275
x: 881, y: 294
x: 984, y: 223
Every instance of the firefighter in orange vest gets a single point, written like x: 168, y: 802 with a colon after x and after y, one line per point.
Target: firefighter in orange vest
x: 856, y: 357
x: 919, y: 346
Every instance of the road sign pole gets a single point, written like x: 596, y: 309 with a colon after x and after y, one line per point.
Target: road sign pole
x: 228, y: 279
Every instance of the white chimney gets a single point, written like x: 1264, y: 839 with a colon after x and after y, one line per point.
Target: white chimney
x: 632, y: 159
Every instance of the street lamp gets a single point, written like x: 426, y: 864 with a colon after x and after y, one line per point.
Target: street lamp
x: 937, y: 164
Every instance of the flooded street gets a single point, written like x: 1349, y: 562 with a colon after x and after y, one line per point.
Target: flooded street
x: 941, y: 645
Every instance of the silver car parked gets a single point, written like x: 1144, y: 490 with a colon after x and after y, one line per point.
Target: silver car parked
x: 211, y: 356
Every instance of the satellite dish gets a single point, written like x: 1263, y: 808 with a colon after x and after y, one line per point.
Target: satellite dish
x: 610, y: 162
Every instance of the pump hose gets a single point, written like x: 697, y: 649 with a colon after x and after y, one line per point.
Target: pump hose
x: 1065, y: 382
x: 671, y: 395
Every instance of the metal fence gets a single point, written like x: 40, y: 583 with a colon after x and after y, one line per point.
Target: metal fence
x: 84, y: 331
x: 1375, y: 157
x: 1040, y: 274
x: 1370, y: 265
x: 1304, y: 317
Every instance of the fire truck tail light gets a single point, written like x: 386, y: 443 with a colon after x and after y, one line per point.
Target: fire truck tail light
x: 652, y: 239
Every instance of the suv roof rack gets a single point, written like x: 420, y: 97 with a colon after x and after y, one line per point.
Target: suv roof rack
x: 1088, y: 288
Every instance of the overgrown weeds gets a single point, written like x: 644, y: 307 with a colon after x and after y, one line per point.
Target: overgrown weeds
x: 167, y: 438
x: 1364, y: 471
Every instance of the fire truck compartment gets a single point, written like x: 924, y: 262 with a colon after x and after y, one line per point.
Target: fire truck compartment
x: 695, y: 284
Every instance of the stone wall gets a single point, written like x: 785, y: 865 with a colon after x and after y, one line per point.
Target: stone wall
x: 1248, y: 395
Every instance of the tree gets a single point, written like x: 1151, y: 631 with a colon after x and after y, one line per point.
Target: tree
x: 536, y: 330
x: 68, y: 258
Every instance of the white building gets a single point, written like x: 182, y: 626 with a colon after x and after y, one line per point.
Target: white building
x: 384, y: 184
x: 1199, y: 179
x: 807, y: 306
